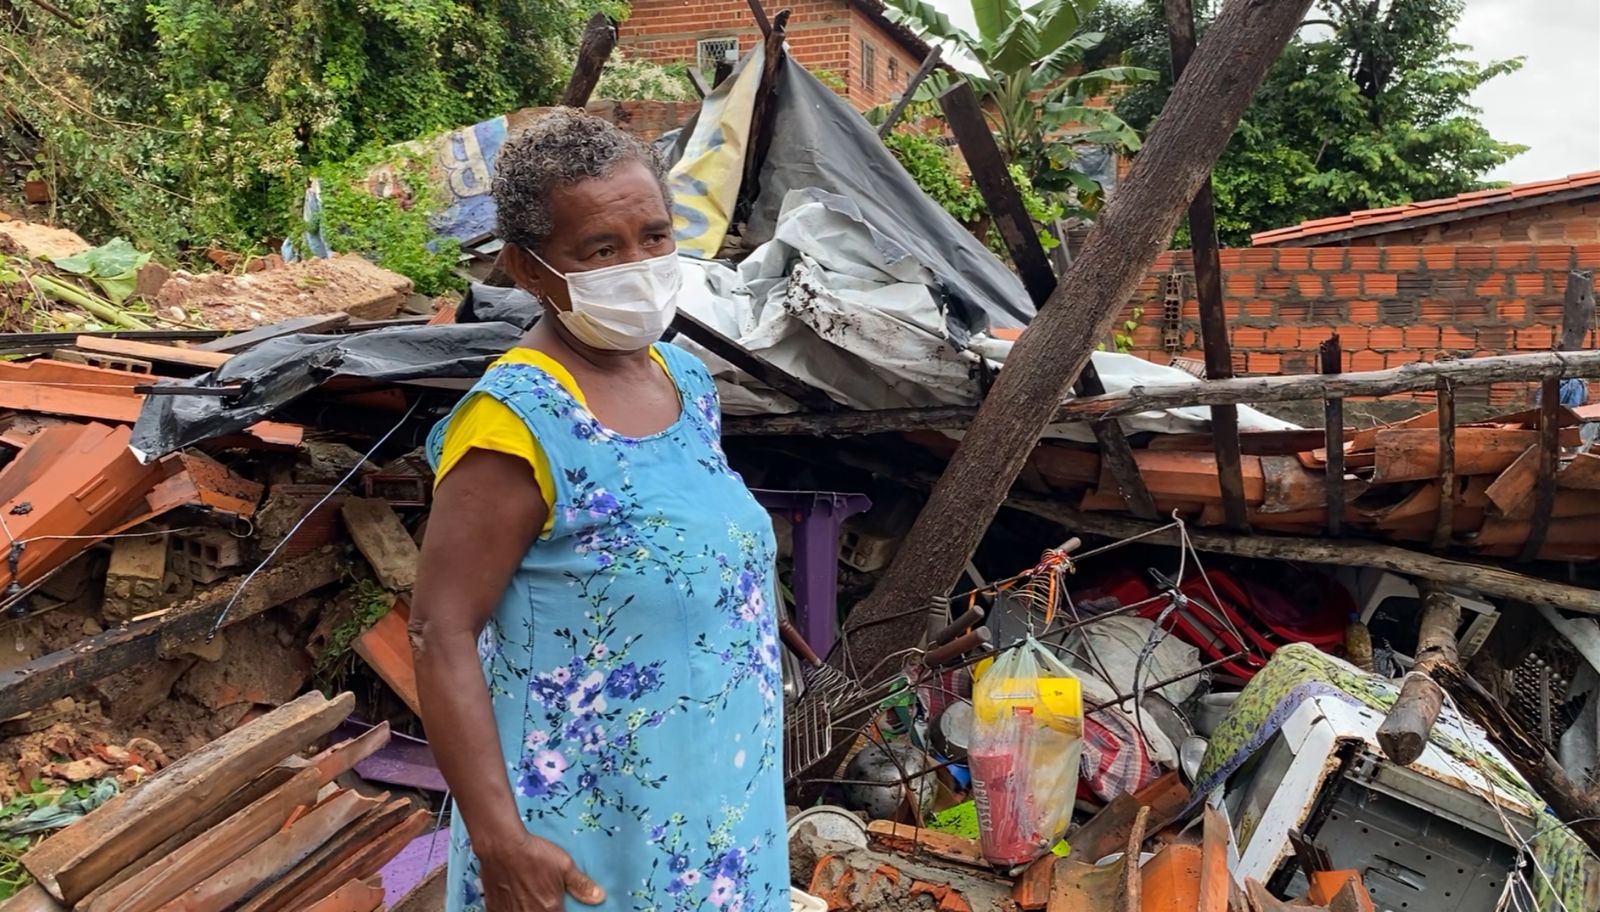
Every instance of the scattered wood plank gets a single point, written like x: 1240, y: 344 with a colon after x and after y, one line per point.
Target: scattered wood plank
x: 929, y: 63
x: 383, y: 540
x: 1332, y: 362
x: 149, y: 351
x: 1215, y: 342
x: 1445, y: 528
x: 1493, y: 581
x: 172, y: 876
x: 238, y: 342
x: 1582, y: 473
x: 756, y: 366
x: 369, y: 856
x: 1408, y: 378
x: 294, y: 888
x: 1251, y: 443
x: 36, y: 683
x: 33, y: 898
x: 1549, y: 463
x: 76, y: 860
x: 276, y: 856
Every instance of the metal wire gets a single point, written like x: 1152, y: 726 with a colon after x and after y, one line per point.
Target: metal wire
x: 222, y: 616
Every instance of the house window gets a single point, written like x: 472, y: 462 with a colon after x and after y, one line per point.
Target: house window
x: 708, y: 52
x: 894, y: 70
x: 869, y: 64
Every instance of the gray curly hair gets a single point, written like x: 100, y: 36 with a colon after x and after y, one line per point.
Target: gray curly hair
x: 561, y: 148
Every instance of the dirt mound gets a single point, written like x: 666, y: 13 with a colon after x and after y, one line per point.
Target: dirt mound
x: 347, y: 283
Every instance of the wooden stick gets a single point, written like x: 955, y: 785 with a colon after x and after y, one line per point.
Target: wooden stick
x: 1128, y: 899
x: 599, y: 39
x: 1404, y: 732
x: 1248, y: 390
x: 765, y: 109
x: 760, y: 16
x: 1406, y: 379
x: 1577, y: 310
x: 1333, y: 423
x: 1214, y: 339
x: 1544, y: 494
x: 965, y: 116
x: 1196, y: 124
x: 893, y: 117
x: 1447, y: 467
x: 751, y: 363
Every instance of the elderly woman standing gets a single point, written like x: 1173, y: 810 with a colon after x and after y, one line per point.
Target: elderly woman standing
x: 594, y: 620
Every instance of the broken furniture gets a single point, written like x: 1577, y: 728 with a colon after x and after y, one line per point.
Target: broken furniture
x: 818, y: 518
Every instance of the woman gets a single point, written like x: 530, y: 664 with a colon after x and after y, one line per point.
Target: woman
x: 593, y: 623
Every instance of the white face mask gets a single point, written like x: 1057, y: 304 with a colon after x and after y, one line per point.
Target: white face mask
x: 621, y: 308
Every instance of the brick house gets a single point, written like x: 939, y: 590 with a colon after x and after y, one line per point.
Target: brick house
x: 1565, y: 211
x: 850, y: 39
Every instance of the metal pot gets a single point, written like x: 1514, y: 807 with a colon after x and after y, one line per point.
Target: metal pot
x: 951, y: 734
x: 880, y: 764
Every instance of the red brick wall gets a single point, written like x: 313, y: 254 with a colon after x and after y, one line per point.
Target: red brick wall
x: 1574, y: 222
x: 823, y: 35
x: 1391, y: 306
x: 644, y: 119
x: 886, y: 87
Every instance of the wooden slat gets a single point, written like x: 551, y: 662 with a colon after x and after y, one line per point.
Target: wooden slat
x: 1544, y: 495
x: 929, y: 63
x: 1445, y: 529
x: 265, y: 863
x: 149, y: 351
x: 753, y: 364
x: 1215, y: 342
x: 172, y: 876
x: 35, y: 683
x: 1582, y: 473
x: 1332, y: 362
x: 367, y: 853
x: 73, y: 862
x: 1511, y: 488
x: 1117, y: 457
x: 314, y: 323
x: 383, y: 541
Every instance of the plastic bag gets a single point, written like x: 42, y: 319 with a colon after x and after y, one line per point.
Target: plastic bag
x: 1027, y: 738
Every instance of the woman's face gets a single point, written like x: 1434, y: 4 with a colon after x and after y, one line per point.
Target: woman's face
x: 598, y: 223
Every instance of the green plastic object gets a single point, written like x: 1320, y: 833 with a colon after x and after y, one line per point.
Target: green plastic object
x: 962, y: 820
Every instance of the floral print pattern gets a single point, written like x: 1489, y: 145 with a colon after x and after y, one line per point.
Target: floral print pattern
x: 633, y: 663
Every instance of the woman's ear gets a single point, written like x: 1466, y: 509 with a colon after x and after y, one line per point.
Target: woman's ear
x: 524, y: 270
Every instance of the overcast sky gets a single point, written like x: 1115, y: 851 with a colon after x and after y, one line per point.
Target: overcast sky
x: 1551, y: 105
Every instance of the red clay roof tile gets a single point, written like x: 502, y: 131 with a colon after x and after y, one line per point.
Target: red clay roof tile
x: 1464, y: 203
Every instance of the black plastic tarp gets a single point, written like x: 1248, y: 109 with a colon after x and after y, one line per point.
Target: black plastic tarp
x: 278, y: 371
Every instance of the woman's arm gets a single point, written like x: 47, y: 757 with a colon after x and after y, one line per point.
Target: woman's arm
x: 486, y: 513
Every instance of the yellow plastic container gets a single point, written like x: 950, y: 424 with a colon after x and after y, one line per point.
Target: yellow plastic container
x: 1062, y: 700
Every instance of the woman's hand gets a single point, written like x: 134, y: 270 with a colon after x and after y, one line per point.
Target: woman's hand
x: 533, y: 875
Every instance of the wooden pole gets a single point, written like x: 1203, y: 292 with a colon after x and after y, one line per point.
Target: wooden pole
x: 893, y: 117
x: 1577, y: 312
x: 753, y: 364
x: 1488, y: 580
x: 1333, y: 426
x: 1247, y: 390
x: 1195, y: 126
x: 964, y: 114
x: 1404, y: 732
x: 599, y: 39
x: 1214, y: 339
x: 1448, y: 495
x: 765, y: 108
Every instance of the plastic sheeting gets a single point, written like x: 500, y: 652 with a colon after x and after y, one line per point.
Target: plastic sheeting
x: 820, y: 143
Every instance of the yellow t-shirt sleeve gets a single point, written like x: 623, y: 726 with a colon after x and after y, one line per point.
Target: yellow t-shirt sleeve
x: 486, y: 423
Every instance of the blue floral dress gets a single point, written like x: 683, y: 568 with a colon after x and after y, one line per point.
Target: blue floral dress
x: 633, y: 661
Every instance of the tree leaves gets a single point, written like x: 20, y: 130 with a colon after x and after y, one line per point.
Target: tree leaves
x: 926, y: 19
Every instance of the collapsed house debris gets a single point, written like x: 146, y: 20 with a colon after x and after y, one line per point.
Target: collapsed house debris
x: 1263, y: 666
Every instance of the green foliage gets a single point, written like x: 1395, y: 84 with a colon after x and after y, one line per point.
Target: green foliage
x: 631, y: 78
x: 186, y: 123
x: 1032, y: 83
x: 933, y: 167
x: 1369, y: 108
x: 390, y: 230
x: 364, y: 604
